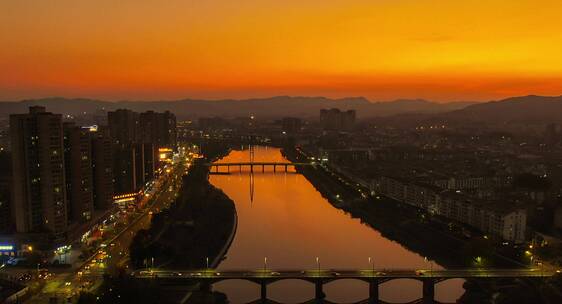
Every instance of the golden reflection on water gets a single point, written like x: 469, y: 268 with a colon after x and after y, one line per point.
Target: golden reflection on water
x: 291, y: 224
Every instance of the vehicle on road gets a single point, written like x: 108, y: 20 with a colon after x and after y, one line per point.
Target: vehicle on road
x: 15, y: 261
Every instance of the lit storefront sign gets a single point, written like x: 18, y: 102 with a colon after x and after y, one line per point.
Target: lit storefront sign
x: 6, y: 248
x: 127, y: 197
x: 165, y: 154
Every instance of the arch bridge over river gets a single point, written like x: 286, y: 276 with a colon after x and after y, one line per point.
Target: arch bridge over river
x: 252, y: 164
x: 320, y: 277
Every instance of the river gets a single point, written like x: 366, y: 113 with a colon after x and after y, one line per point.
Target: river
x: 282, y: 216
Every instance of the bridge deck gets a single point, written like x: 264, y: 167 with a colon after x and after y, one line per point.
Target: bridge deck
x: 343, y: 274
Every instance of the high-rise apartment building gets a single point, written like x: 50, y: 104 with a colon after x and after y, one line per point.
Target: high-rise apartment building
x: 39, y: 191
x: 336, y: 120
x: 124, y: 168
x: 150, y: 160
x: 137, y: 138
x: 291, y: 125
x: 159, y: 128
x: 124, y: 126
x: 139, y: 167
x: 102, y: 164
x: 79, y: 172
x: 6, y: 221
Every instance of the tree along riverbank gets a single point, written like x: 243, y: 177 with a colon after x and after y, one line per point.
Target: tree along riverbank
x: 192, y: 231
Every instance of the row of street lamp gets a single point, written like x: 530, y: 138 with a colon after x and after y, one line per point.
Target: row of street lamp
x: 371, y: 263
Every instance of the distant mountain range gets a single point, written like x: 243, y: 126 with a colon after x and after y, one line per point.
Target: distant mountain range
x: 516, y: 109
x: 273, y: 107
x: 530, y: 108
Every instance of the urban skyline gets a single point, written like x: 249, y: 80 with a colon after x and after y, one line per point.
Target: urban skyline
x: 268, y: 152
x: 179, y: 196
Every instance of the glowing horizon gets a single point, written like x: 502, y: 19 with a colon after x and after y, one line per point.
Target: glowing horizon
x: 433, y: 49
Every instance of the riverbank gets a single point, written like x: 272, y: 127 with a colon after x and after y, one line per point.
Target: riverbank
x: 213, y: 155
x: 399, y: 222
x: 222, y: 253
x: 416, y: 231
x: 193, y: 232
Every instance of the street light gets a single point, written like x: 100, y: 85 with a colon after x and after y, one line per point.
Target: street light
x: 430, y: 266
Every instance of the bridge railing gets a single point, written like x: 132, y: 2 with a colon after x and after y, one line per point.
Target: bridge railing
x: 350, y: 273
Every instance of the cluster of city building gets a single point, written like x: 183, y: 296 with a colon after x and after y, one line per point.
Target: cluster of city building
x: 499, y: 219
x: 58, y: 174
x: 461, y: 174
x: 59, y: 178
x: 469, y: 176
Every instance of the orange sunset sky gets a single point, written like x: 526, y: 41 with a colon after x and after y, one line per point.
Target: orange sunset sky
x: 441, y: 50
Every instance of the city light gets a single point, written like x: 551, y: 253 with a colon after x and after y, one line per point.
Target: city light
x: 127, y: 195
x: 478, y: 260
x: 6, y: 247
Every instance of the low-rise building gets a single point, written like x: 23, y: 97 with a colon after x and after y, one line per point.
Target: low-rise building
x: 493, y: 218
x: 496, y: 219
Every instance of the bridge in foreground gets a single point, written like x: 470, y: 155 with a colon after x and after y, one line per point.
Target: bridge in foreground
x: 252, y: 164
x: 321, y: 277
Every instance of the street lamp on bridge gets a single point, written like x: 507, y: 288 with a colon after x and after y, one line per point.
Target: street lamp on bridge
x: 430, y: 266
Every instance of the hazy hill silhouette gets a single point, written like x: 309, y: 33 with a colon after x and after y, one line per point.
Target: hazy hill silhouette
x: 530, y: 108
x: 273, y: 107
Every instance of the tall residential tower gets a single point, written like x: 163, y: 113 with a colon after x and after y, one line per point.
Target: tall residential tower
x: 39, y: 190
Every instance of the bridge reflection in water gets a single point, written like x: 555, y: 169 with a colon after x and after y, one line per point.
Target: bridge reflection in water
x: 205, y: 278
x: 214, y: 168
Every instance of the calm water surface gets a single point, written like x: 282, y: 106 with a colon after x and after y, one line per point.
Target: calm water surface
x: 290, y: 223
